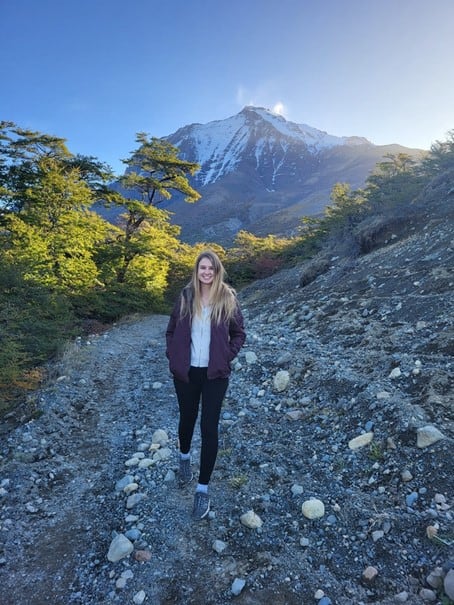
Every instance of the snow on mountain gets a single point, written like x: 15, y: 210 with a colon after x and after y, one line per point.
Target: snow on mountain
x: 254, y: 133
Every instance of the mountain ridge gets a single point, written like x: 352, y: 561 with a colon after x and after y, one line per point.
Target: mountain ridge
x: 262, y: 173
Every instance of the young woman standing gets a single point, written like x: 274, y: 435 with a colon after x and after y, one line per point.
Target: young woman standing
x: 204, y: 334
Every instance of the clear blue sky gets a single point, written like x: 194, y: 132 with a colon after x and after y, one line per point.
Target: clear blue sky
x: 96, y: 72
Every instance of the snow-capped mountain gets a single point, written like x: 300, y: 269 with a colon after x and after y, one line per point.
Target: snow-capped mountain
x: 269, y: 142
x: 262, y: 173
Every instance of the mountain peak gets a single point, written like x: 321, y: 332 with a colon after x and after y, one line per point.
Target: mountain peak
x: 254, y: 135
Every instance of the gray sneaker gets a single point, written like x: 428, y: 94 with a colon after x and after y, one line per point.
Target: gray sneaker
x: 185, y: 472
x: 201, y: 505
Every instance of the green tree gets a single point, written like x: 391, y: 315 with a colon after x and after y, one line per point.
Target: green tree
x: 441, y: 156
x: 154, y: 173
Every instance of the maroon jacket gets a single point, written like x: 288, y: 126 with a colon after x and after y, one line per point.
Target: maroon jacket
x: 226, y: 340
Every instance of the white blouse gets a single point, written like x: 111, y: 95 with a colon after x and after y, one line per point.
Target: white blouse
x: 200, y: 338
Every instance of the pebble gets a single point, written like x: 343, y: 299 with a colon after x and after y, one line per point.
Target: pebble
x: 250, y: 357
x: 119, y: 548
x: 281, y: 380
x: 427, y: 595
x: 251, y: 520
x: 139, y: 597
x: 448, y: 584
x: 370, y: 573
x: 160, y: 437
x: 313, y: 508
x: 427, y: 435
x: 219, y: 546
x: 361, y: 440
x: 237, y: 586
x: 134, y: 500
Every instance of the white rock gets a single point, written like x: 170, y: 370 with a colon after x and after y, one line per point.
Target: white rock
x: 297, y: 490
x: 237, y: 586
x: 219, y: 546
x: 251, y: 520
x: 160, y: 437
x: 119, y: 548
x: 132, y: 462
x: 281, y: 380
x: 251, y: 357
x: 406, y: 475
x: 134, y: 499
x: 131, y: 487
x: 146, y: 462
x: 449, y: 584
x: 162, y: 454
x: 427, y: 435
x: 139, y: 597
x: 360, y: 441
x: 313, y: 508
x: 156, y: 385
x: 395, y: 373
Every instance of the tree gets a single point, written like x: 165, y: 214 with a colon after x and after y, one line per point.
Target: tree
x: 154, y: 172
x: 394, y: 182
x: 441, y: 156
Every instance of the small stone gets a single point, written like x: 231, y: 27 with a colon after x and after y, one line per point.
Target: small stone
x: 370, y: 573
x: 295, y: 414
x: 377, y: 535
x: 411, y: 498
x: 122, y: 483
x: 319, y: 594
x: 219, y: 546
x: 402, y: 597
x: 281, y: 380
x: 119, y: 548
x: 360, y: 441
x: 132, y: 462
x: 297, y: 490
x: 139, y: 597
x: 304, y: 542
x: 146, y: 462
x: 251, y: 357
x: 395, y: 373
x: 162, y: 454
x: 160, y: 437
x: 427, y: 435
x: 131, y: 487
x: 406, y: 476
x: 313, y: 508
x: 448, y: 584
x: 237, y: 586
x: 142, y: 555
x: 134, y: 499
x: 435, y: 578
x: 427, y: 595
x: 251, y: 520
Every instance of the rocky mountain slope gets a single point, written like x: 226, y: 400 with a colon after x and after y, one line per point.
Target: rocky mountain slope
x: 260, y: 171
x: 334, y: 482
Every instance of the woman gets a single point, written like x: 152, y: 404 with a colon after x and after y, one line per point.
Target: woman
x: 204, y: 334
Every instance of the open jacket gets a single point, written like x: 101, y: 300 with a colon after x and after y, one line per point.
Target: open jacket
x: 226, y: 340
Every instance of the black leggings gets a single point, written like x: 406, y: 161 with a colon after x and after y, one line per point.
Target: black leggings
x: 189, y: 394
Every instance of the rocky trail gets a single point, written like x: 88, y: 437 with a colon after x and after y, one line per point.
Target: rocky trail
x: 334, y: 481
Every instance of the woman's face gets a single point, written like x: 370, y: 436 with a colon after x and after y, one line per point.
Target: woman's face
x: 205, y: 271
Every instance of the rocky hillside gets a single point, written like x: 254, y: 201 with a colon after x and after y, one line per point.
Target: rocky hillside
x: 334, y: 482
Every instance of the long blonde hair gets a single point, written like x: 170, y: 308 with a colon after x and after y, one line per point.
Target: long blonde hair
x: 222, y: 296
